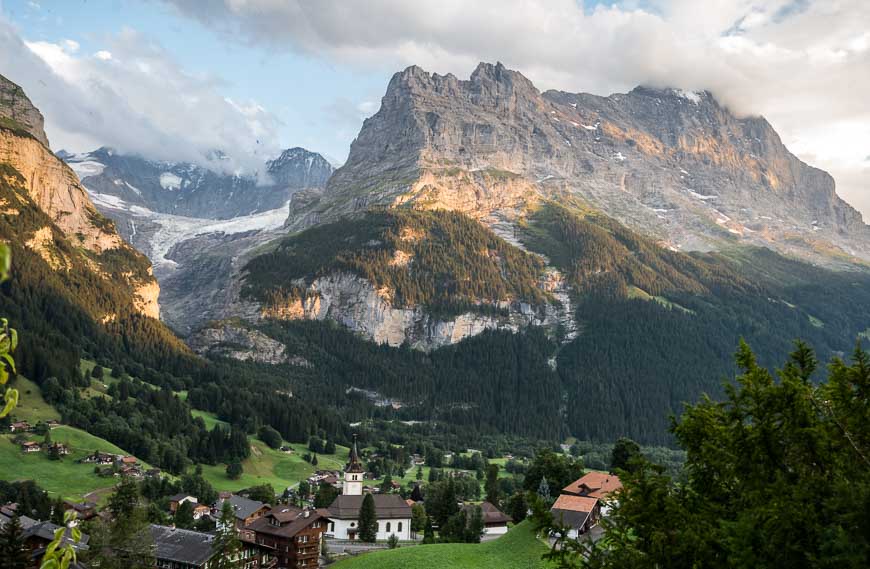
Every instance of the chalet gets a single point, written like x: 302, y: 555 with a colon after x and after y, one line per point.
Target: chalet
x: 131, y: 471
x: 153, y: 473
x: 179, y: 499
x: 98, y: 457
x: 83, y: 510
x: 185, y: 549
x: 290, y: 537
x: 594, y: 484
x: 31, y: 446
x: 578, y: 512
x: 20, y: 427
x: 245, y: 511
x: 127, y: 460
x: 52, y: 423
x: 59, y: 448
x: 393, y: 513
x: 200, y: 511
x: 494, y: 520
x: 37, y: 535
x: 584, y: 501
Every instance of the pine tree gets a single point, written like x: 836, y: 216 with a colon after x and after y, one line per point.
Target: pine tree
x: 492, y: 489
x: 368, y: 520
x: 227, y: 544
x: 13, y: 552
x: 544, y: 490
x: 184, y: 515
x: 419, y: 473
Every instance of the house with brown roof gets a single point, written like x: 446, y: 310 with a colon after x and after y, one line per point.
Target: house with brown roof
x: 578, y: 512
x: 494, y: 520
x: 584, y: 501
x: 290, y: 537
x: 84, y: 510
x: 20, y: 427
x: 31, y: 446
x: 594, y: 484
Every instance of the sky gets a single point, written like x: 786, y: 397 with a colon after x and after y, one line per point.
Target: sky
x: 176, y: 79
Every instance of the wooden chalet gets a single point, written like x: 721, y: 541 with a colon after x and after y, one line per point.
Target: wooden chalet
x: 290, y: 537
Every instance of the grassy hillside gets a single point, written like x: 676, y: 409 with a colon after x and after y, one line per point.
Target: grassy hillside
x: 267, y: 465
x: 518, y: 549
x: 439, y: 259
x: 31, y: 406
x: 66, y: 477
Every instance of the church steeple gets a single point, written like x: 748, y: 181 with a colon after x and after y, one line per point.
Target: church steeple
x: 353, y: 473
x: 354, y: 465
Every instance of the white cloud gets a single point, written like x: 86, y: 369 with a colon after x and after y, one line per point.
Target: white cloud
x: 801, y: 63
x: 135, y: 98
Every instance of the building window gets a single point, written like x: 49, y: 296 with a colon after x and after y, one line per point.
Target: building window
x: 388, y: 527
x: 332, y: 527
x: 400, y: 526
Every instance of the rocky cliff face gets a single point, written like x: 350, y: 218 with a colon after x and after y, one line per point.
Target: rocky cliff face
x: 190, y: 190
x: 672, y: 164
x: 56, y: 191
x: 18, y: 113
x: 355, y: 303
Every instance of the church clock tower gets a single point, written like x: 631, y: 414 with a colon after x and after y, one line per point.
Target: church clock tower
x: 353, y: 474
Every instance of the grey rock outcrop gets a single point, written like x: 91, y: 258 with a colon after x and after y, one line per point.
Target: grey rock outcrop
x: 17, y: 112
x: 238, y: 342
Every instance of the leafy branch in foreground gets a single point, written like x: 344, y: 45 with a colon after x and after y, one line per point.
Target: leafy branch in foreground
x: 8, y: 341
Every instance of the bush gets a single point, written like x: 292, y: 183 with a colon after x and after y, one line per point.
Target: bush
x: 270, y: 436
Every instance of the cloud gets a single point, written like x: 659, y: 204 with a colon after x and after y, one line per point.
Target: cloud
x: 802, y: 64
x: 135, y: 98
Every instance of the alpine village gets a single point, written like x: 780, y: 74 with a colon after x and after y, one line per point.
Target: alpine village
x: 513, y: 327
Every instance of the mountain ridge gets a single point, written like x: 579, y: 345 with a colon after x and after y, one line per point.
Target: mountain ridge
x: 669, y: 163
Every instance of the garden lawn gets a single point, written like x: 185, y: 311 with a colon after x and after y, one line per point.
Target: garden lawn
x: 518, y: 549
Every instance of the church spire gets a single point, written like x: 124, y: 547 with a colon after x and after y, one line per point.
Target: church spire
x: 354, y: 464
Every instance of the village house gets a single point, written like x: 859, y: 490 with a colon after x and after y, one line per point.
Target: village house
x: 102, y: 458
x: 31, y: 446
x: 84, y: 510
x: 245, y: 512
x: 37, y: 535
x: 494, y: 520
x: 59, y: 448
x: 392, y: 512
x: 290, y: 537
x: 52, y: 423
x: 584, y: 501
x: 186, y: 549
x: 178, y: 499
x: 20, y: 427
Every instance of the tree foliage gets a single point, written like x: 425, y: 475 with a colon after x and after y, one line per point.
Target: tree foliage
x: 777, y: 475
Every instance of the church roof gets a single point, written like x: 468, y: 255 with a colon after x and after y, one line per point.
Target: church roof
x: 387, y: 506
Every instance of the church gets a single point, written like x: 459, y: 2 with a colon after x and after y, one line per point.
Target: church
x: 393, y: 513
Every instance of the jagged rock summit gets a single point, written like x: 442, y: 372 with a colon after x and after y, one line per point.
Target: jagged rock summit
x: 673, y: 164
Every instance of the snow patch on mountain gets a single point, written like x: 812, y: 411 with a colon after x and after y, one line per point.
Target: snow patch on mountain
x: 169, y: 181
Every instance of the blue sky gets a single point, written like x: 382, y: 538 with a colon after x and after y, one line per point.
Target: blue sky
x: 173, y: 79
x: 319, y: 103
